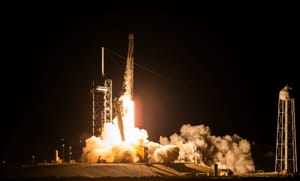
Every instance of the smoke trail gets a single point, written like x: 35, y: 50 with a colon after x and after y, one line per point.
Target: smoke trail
x: 128, y: 75
x: 196, y: 144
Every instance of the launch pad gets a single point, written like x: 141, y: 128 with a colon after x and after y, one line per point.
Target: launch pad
x: 105, y: 170
x: 121, y: 170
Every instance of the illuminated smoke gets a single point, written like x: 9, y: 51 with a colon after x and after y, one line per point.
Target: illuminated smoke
x: 158, y: 153
x: 97, y: 150
x: 110, y: 148
x: 196, y: 144
x: 193, y: 144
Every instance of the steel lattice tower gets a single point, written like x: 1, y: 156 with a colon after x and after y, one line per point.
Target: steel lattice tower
x: 102, y: 113
x: 96, y: 110
x: 101, y: 105
x: 286, y: 152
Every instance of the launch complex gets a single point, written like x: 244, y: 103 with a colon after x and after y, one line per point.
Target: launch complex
x: 102, y: 103
x: 118, y: 149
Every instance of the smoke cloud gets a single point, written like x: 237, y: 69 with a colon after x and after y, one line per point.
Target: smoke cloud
x: 196, y: 144
x: 193, y: 144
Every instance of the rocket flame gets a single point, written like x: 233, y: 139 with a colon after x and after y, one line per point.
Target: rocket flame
x: 132, y: 134
x: 128, y: 118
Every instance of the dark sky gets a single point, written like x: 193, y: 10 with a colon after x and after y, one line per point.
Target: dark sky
x: 221, y: 64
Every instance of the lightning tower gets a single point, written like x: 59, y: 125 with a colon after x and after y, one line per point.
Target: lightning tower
x: 286, y: 152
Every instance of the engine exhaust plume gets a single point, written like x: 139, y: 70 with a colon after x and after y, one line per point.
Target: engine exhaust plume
x: 117, y: 106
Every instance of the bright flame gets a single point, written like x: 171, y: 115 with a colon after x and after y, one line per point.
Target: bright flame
x: 133, y: 135
x: 128, y: 118
x: 111, y: 132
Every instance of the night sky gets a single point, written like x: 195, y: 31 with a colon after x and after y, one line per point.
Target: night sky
x: 221, y: 64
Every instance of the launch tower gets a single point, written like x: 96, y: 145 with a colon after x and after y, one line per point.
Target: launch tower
x: 286, y: 152
x: 101, y: 103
